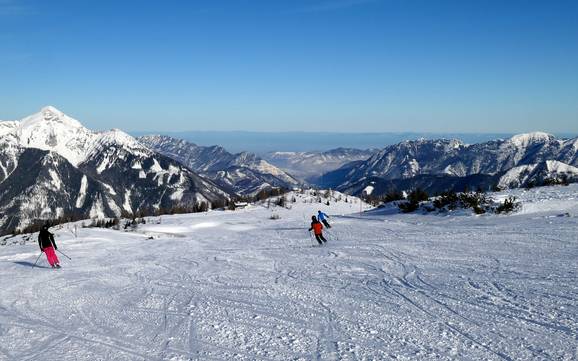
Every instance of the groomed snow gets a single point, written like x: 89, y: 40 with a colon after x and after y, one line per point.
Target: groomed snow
x: 240, y: 286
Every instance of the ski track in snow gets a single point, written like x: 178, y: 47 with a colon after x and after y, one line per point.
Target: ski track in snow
x: 237, y: 285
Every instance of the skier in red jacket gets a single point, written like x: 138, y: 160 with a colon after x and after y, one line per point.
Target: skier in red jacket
x: 317, y: 229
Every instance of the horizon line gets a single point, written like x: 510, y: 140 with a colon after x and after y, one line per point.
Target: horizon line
x: 153, y: 132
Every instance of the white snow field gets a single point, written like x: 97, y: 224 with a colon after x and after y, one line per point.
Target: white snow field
x: 240, y: 286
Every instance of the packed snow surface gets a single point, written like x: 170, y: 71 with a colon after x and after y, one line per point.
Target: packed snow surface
x: 240, y: 286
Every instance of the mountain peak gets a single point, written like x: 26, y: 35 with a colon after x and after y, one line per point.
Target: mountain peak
x: 117, y: 137
x: 50, y: 109
x: 533, y: 137
x: 50, y: 114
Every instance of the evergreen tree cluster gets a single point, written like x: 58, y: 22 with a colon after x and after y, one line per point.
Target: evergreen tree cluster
x: 509, y: 205
x: 37, y: 225
x: 563, y: 180
x: 414, y: 198
x: 477, y: 201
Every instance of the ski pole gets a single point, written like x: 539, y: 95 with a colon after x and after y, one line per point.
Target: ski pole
x: 37, y: 260
x: 64, y: 254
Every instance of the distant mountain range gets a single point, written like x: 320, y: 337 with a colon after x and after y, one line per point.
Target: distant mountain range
x: 303, y: 141
x: 51, y: 166
x: 532, y: 158
x: 243, y: 173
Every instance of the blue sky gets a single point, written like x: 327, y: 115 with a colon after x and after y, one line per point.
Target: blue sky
x: 302, y: 65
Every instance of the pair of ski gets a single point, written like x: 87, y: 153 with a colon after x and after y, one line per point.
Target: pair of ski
x: 313, y: 241
x: 53, y: 267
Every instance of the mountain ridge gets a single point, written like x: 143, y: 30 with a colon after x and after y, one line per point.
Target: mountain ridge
x: 243, y: 173
x: 453, y: 158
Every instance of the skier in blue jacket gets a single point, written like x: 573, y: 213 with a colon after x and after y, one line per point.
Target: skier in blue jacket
x: 322, y: 217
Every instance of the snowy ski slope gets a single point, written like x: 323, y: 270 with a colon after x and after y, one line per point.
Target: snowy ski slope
x: 240, y: 286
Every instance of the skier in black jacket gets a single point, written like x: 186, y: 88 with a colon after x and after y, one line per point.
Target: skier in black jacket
x: 48, y: 246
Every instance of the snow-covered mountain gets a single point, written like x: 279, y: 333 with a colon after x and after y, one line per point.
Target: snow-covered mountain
x: 546, y: 172
x: 51, y: 166
x: 243, y: 173
x: 453, y: 158
x: 44, y: 185
x: 310, y: 166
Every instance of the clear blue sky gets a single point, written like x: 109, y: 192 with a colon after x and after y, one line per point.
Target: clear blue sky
x: 305, y: 65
